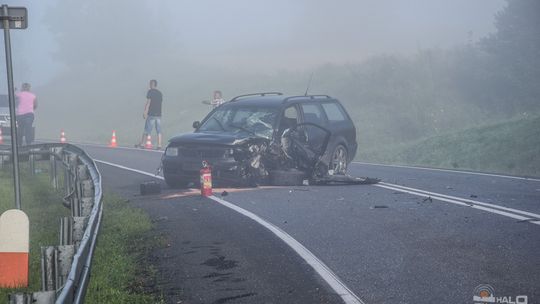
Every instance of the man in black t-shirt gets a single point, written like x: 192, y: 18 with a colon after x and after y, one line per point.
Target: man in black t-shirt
x: 152, y: 113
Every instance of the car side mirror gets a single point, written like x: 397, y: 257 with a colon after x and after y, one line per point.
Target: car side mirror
x: 196, y: 124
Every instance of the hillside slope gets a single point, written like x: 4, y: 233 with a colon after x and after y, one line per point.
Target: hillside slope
x: 511, y: 147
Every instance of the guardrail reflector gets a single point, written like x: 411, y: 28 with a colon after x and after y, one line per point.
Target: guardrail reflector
x: 14, y: 247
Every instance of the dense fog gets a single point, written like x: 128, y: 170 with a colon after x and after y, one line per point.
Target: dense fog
x: 405, y: 70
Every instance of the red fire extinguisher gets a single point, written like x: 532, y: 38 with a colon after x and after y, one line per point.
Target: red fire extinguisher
x: 206, y: 179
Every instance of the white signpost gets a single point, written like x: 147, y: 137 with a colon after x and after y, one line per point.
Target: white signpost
x: 14, y: 248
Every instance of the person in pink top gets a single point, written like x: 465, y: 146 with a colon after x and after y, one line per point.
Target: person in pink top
x: 26, y: 104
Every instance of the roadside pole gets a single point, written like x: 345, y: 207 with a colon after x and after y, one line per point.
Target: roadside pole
x: 18, y: 22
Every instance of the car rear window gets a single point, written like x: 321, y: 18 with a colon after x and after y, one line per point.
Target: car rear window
x: 333, y: 111
x: 312, y: 113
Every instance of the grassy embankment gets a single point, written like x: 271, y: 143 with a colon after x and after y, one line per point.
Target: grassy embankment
x: 118, y: 276
x: 511, y: 147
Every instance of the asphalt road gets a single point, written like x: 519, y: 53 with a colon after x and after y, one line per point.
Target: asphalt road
x: 434, y: 241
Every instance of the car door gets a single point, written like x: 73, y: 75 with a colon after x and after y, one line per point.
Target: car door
x: 341, y: 126
x: 314, y: 124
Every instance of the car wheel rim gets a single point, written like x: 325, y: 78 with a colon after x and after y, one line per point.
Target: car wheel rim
x: 339, y: 160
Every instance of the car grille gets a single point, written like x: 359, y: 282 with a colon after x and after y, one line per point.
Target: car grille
x: 202, y: 153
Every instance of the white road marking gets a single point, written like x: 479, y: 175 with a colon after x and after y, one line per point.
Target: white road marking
x: 467, y: 200
x: 324, y: 271
x: 532, y: 217
x: 119, y: 147
x: 129, y: 169
x: 99, y: 145
x: 453, y: 171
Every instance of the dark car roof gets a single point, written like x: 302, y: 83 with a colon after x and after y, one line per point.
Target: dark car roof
x: 275, y: 100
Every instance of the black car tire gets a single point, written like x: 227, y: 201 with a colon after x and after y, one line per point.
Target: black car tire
x: 175, y: 182
x: 339, y: 160
x: 286, y: 177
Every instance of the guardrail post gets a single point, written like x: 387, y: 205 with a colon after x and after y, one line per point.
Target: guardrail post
x: 40, y: 297
x: 78, y: 228
x: 55, y: 265
x: 67, y: 175
x: 31, y: 162
x: 87, y: 203
x: 20, y: 298
x: 65, y: 259
x: 52, y: 169
x: 5, y: 160
x: 66, y: 231
x: 76, y: 198
x: 48, y: 268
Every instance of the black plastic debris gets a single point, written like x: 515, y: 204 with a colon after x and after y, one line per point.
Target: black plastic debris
x: 427, y: 200
x: 150, y: 187
x: 344, y: 180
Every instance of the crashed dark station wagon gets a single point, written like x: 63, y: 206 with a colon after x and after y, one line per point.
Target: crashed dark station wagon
x: 266, y: 138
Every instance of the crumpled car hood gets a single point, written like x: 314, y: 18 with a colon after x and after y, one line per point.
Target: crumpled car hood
x: 208, y: 138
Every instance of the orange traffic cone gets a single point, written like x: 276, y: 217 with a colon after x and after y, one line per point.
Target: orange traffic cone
x: 1, y: 137
x: 148, y: 144
x: 113, y: 140
x: 62, y: 136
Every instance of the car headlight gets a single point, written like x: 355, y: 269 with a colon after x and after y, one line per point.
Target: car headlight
x: 171, y: 151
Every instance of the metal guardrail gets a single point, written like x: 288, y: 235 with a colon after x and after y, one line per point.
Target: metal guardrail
x: 65, y: 268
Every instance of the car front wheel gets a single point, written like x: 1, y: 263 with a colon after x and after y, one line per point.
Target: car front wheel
x: 338, y: 162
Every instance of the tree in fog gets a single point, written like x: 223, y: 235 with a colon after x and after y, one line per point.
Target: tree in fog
x: 515, y: 53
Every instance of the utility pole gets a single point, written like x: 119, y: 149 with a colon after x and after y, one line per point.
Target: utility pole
x: 13, y: 17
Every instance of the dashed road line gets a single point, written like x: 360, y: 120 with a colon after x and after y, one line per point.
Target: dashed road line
x: 520, y: 215
x: 452, y: 171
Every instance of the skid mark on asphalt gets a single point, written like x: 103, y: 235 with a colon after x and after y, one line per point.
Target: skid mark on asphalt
x: 520, y: 215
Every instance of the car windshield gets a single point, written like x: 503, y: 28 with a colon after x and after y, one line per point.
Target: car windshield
x: 255, y: 121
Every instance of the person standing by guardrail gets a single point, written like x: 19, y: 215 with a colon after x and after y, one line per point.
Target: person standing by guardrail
x: 26, y: 104
x: 152, y: 114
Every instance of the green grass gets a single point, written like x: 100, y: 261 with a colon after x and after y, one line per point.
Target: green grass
x: 510, y: 147
x: 119, y: 273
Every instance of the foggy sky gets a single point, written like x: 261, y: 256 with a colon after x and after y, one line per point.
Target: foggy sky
x: 296, y: 34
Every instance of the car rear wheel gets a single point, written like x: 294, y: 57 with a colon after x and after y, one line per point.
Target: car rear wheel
x: 338, y: 162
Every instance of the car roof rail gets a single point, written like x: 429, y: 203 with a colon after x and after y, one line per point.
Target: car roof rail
x: 307, y: 97
x: 256, y: 94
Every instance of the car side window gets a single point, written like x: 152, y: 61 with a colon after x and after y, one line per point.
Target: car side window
x: 333, y: 112
x: 312, y: 114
